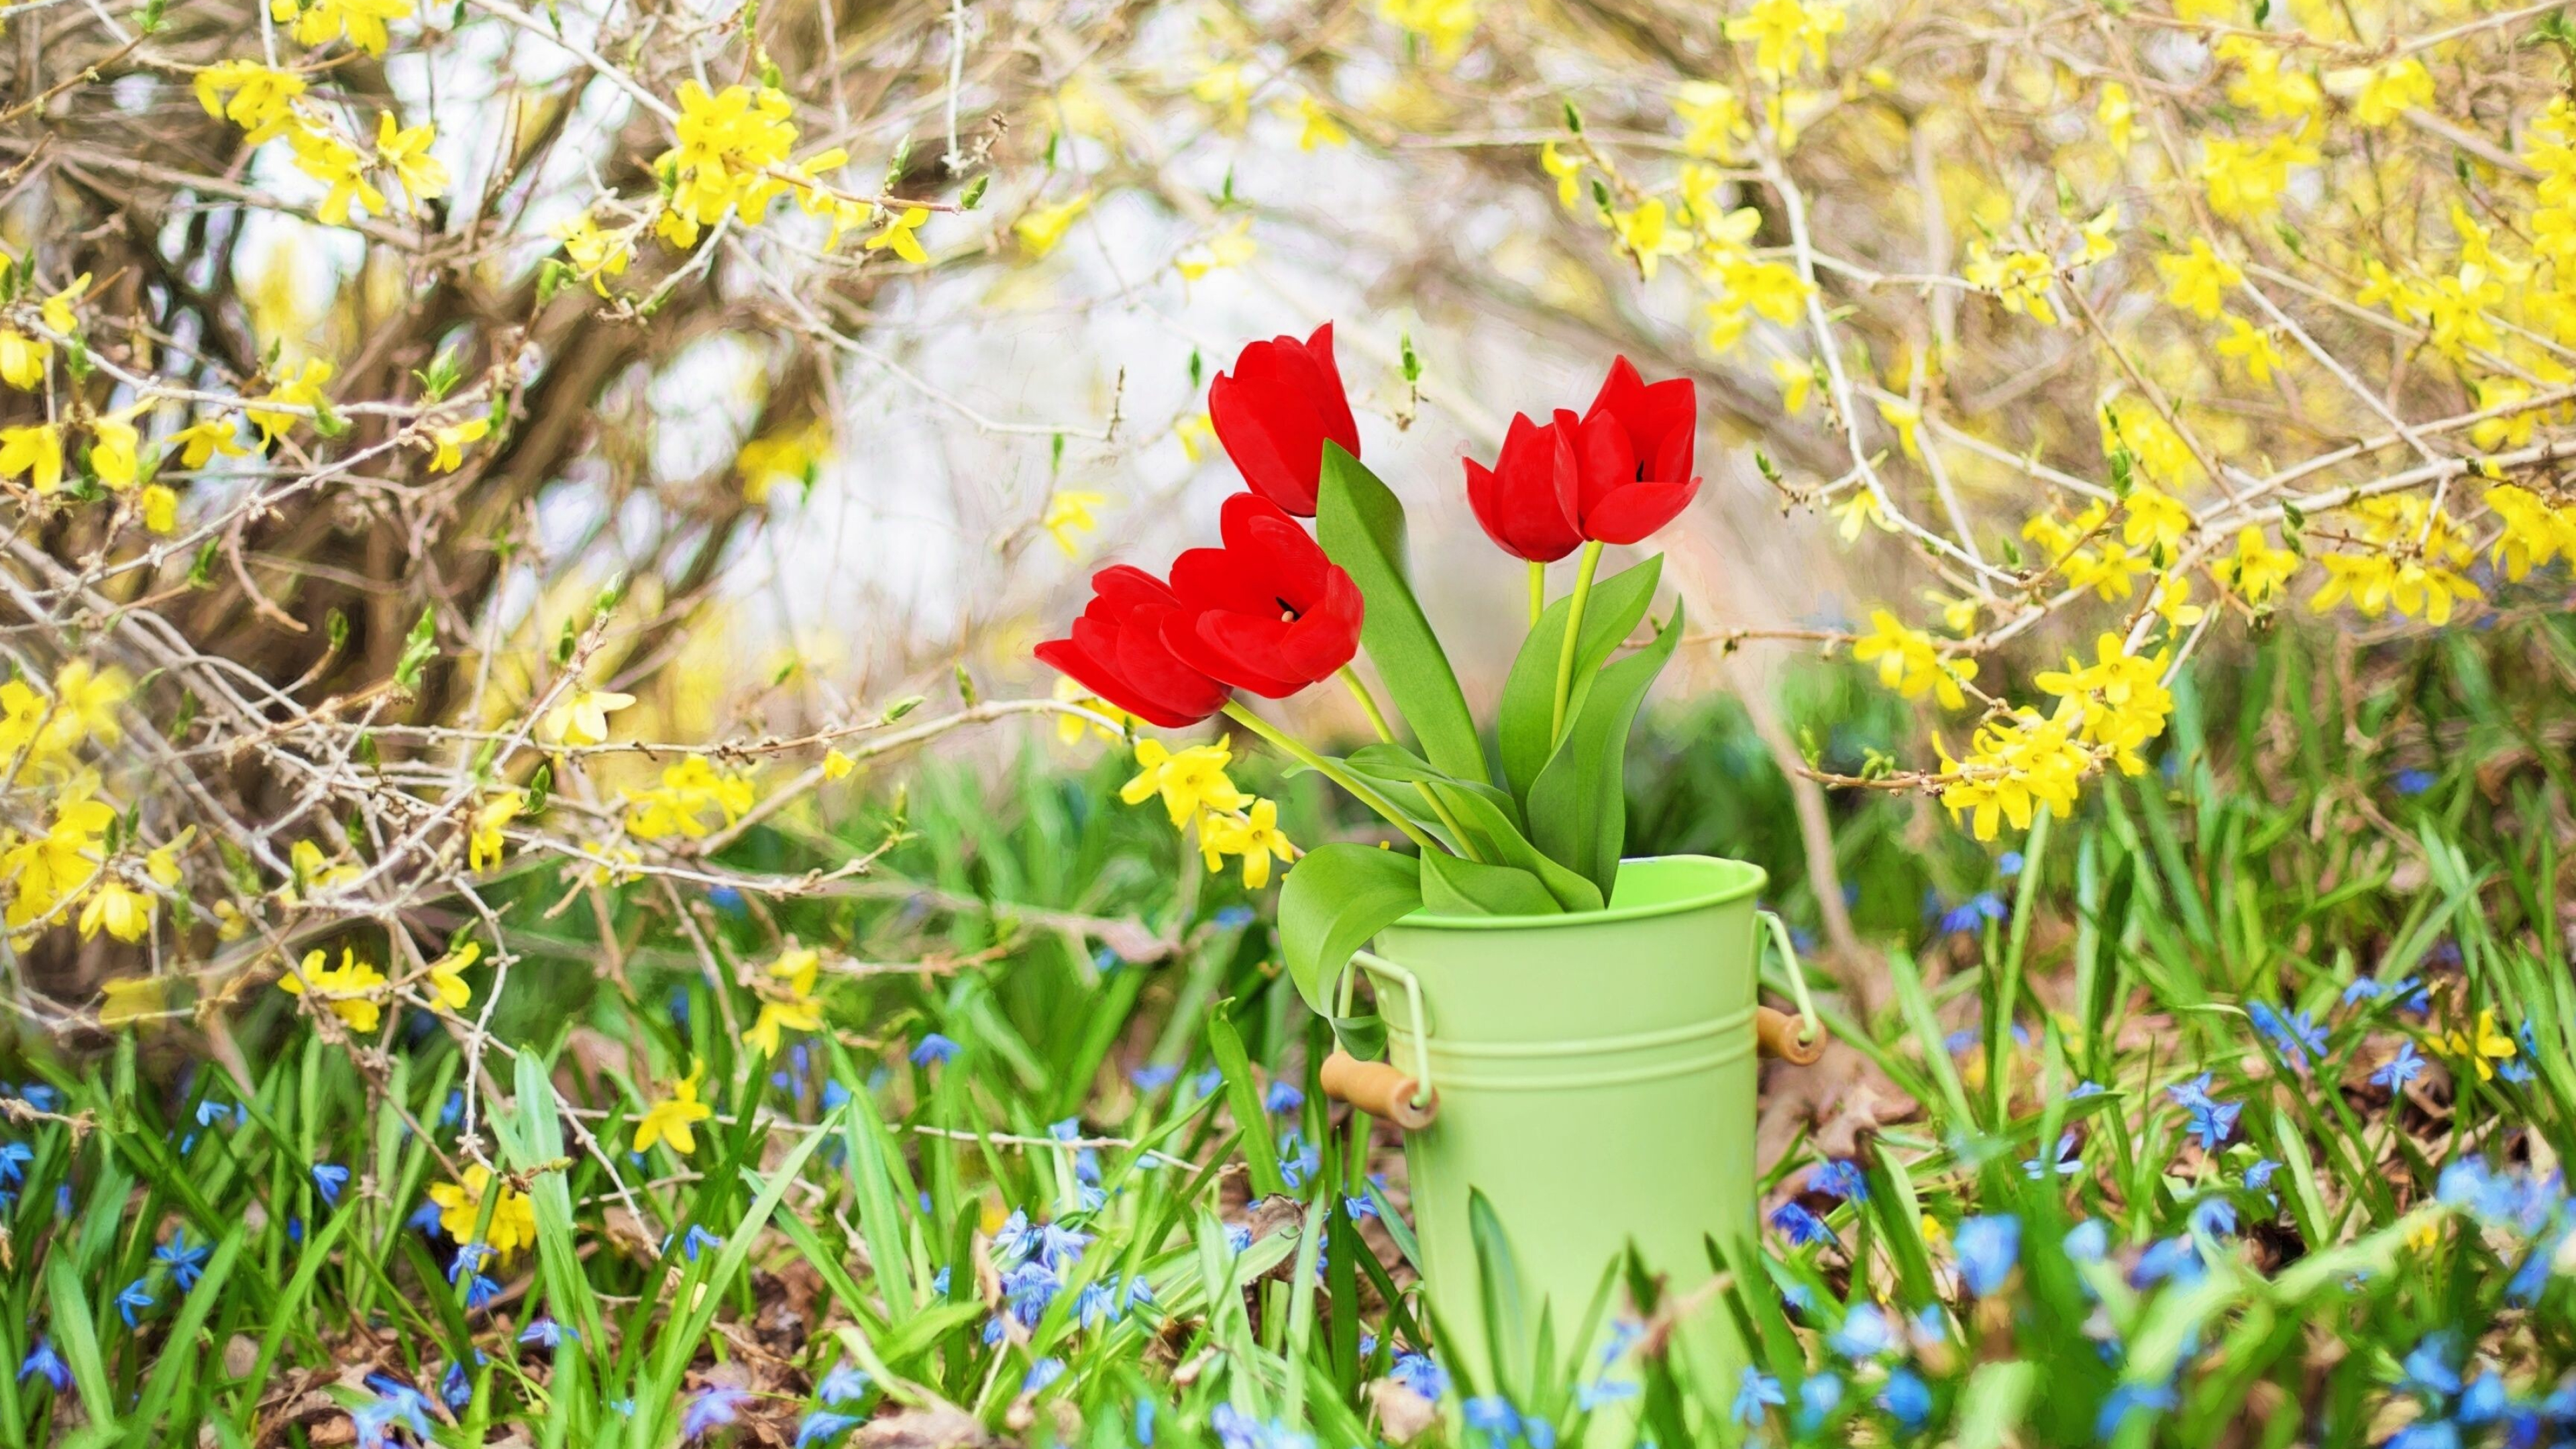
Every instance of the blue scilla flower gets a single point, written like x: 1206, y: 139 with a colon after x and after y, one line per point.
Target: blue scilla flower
x: 428, y: 1219
x: 1282, y: 1098
x: 1234, y: 918
x: 1593, y: 1395
x: 1973, y: 913
x: 328, y: 1179
x: 835, y: 1096
x: 1840, y: 1178
x: 452, y: 1111
x: 697, y: 1240
x: 2483, y: 1400
x: 2169, y: 1259
x: 1800, y: 1226
x: 1042, y: 1373
x: 846, y: 1384
x: 2193, y: 1094
x: 1420, y: 1373
x: 480, y: 1292
x: 935, y: 1048
x: 544, y: 1332
x: 939, y: 1280
x: 1297, y: 1160
x: 133, y: 1300
x: 1238, y: 1237
x: 2296, y: 1037
x: 2258, y: 1174
x: 710, y: 1410
x: 1154, y: 1078
x: 2428, y: 1367
x: 2212, y: 1123
x: 822, y: 1426
x: 2412, y: 781
x: 1819, y: 1396
x: 1096, y: 1304
x: 1144, y: 1426
x: 1987, y: 1248
x: 2400, y: 1069
x: 1906, y: 1398
x: 2008, y: 864
x: 2069, y: 1160
x: 41, y: 1360
x: 726, y: 898
x: 14, y: 1157
x: 2426, y: 1434
x: 1755, y: 1392
x: 1865, y: 1333
x: 211, y: 1113
x: 1494, y: 1416
x: 186, y: 1260
x: 1206, y: 1083
x: 469, y: 1257
x: 2128, y: 1399
x: 2213, y: 1216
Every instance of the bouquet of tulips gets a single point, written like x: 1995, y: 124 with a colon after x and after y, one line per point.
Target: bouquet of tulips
x: 1533, y: 826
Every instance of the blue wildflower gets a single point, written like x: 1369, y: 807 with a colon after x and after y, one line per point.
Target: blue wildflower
x: 822, y: 1426
x: 328, y: 1179
x: 452, y: 1111
x: 1042, y: 1373
x: 1296, y: 1160
x: 186, y: 1261
x: 2194, y: 1094
x: 845, y: 1384
x: 1906, y: 1398
x: 939, y: 1280
x: 2426, y: 1434
x: 42, y: 1359
x: 1095, y: 1304
x: 1145, y: 1422
x: 1865, y: 1333
x: 2213, y: 1216
x: 1753, y: 1394
x: 1840, y: 1178
x: 469, y: 1257
x: 2070, y: 1161
x: 725, y: 898
x: 1820, y: 1395
x: 1495, y: 1416
x: 2258, y: 1175
x: 710, y: 1410
x: 2483, y: 1400
x: 1420, y: 1373
x: 2086, y: 1088
x: 697, y: 1239
x: 1154, y: 1078
x: 1206, y: 1083
x: 1973, y: 912
x: 1238, y: 1237
x: 2214, y: 1122
x: 2428, y: 1368
x: 1234, y: 918
x: 480, y: 1292
x: 936, y: 1048
x: 2295, y: 1037
x: 1987, y: 1249
x: 1962, y: 1040
x: 428, y: 1219
x: 2008, y: 864
x: 1282, y: 1098
x: 456, y: 1386
x: 2413, y: 781
x: 2176, y: 1259
x: 544, y: 1332
x: 14, y: 1157
x: 1591, y: 1396
x: 1931, y: 1325
x: 1800, y: 1226
x: 133, y: 1300
x: 2128, y: 1399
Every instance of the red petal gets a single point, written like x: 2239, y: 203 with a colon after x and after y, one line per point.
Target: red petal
x: 1629, y: 514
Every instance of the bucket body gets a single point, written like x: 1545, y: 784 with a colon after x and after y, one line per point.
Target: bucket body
x: 1596, y: 1078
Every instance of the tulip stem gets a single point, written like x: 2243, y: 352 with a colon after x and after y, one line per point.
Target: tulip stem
x: 1235, y: 711
x: 1583, y: 572
x: 1538, y: 590
x: 1368, y: 704
x: 1377, y: 721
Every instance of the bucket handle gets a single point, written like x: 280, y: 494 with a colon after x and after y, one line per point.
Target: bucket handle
x: 1379, y: 1087
x: 1771, y: 1028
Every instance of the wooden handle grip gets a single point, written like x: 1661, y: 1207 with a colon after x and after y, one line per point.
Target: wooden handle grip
x: 1379, y: 1090
x: 1776, y: 1034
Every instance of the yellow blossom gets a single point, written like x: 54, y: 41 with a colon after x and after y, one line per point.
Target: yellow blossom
x: 2118, y: 116
x: 1445, y: 24
x: 120, y: 910
x: 1647, y: 233
x: 1316, y: 126
x: 1257, y: 838
x: 1908, y: 663
x: 1907, y: 419
x: 303, y: 389
x: 582, y: 717
x: 341, y: 167
x: 406, y: 154
x: 485, y: 844
x: 57, y: 314
x: 85, y: 703
x: 1858, y: 509
x: 447, y: 976
x: 1226, y: 87
x: 837, y: 766
x: 205, y: 438
x: 1566, y: 169
x: 2245, y: 179
x: 2120, y: 699
x: 2020, y: 279
x: 1797, y: 380
x: 2155, y: 517
x: 594, y: 254
x: 1068, y: 516
x: 674, y: 1118
x: 790, y: 1004
x: 1786, y: 34
x: 2483, y: 1046
x: 2534, y: 533
x: 1069, y: 727
x: 1713, y: 120
x: 786, y: 455
x: 46, y: 871
x: 252, y: 96
x: 2198, y: 280
x: 2251, y: 346
x: 1231, y: 247
x: 115, y: 448
x: 352, y: 989
x: 2388, y: 92
x: 460, y: 1203
x: 23, y: 359
x: 2016, y: 764
x: 677, y: 806
x: 897, y: 234
x: 1043, y: 227
x: 36, y: 450
x: 447, y: 443
x: 1190, y: 781
x: 2266, y: 86
x: 318, y: 22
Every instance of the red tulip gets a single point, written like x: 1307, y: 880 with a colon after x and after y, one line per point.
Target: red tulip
x: 1117, y: 652
x: 1275, y: 412
x: 1267, y: 612
x: 1635, y: 450
x: 1528, y: 500
x: 1614, y: 475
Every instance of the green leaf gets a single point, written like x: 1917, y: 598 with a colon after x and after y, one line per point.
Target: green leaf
x: 1243, y: 1098
x: 534, y: 1139
x: 1578, y: 805
x: 1361, y: 526
x: 76, y: 1338
x: 1333, y: 901
x: 1529, y: 693
x: 1455, y: 887
x: 418, y: 649
x: 1481, y: 811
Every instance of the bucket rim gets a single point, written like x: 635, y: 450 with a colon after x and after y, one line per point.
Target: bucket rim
x: 1749, y: 884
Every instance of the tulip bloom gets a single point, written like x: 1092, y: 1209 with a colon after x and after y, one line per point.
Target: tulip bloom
x: 1275, y: 412
x: 1267, y: 612
x: 1613, y: 475
x: 1117, y: 652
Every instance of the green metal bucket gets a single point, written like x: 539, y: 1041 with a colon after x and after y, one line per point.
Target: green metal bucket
x: 1595, y: 1077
